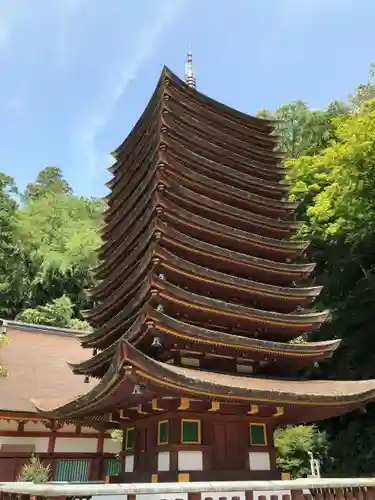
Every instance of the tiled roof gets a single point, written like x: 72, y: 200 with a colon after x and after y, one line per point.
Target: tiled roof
x: 36, y: 359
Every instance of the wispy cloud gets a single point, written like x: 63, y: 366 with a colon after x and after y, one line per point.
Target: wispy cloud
x: 144, y: 45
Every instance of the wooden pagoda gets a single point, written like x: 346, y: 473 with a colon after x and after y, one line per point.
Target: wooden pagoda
x: 202, y: 293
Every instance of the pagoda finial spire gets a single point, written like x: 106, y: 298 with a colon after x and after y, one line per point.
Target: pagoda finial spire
x: 189, y: 72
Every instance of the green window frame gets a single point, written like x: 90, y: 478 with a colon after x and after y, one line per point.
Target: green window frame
x: 163, y: 432
x: 130, y: 437
x: 257, y: 434
x: 190, y: 431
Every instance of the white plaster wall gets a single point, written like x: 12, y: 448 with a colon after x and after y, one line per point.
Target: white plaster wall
x: 8, y: 425
x: 35, y: 427
x: 190, y: 460
x: 76, y: 445
x: 129, y: 463
x: 259, y: 460
x: 244, y: 368
x: 40, y: 443
x: 110, y: 446
x: 164, y: 461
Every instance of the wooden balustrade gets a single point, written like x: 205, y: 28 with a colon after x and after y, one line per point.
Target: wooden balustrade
x: 301, y: 489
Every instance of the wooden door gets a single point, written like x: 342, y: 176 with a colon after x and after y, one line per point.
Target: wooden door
x: 229, y: 446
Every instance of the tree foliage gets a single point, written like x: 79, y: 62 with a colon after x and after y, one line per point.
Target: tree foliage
x: 12, y: 267
x: 47, y: 250
x: 35, y: 471
x: 49, y: 181
x: 59, y: 313
x: 303, y: 131
x: 333, y: 179
x: 293, y: 444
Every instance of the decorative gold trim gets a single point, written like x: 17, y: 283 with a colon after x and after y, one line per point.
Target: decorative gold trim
x: 140, y: 411
x: 155, y: 405
x: 215, y: 406
x: 213, y: 395
x: 306, y: 353
x: 254, y: 409
x: 279, y: 411
x: 158, y: 440
x: 128, y: 430
x: 184, y: 404
x: 258, y: 424
x: 249, y: 317
x: 197, y: 421
x: 183, y: 477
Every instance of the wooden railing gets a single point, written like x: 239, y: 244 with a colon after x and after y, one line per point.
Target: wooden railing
x: 300, y: 489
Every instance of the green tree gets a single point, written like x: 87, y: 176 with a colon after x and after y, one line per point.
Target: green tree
x: 12, y: 269
x: 35, y: 471
x: 303, y: 131
x: 364, y: 92
x: 336, y: 188
x: 293, y: 445
x: 59, y: 235
x: 59, y: 313
x: 49, y: 180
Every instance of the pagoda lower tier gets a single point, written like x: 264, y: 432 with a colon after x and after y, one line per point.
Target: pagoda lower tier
x: 186, y: 424
x: 173, y: 341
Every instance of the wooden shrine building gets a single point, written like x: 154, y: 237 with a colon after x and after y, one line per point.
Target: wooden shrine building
x: 202, y: 290
x: 35, y: 359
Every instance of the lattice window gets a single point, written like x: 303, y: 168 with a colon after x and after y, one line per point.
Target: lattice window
x: 113, y: 467
x: 72, y: 470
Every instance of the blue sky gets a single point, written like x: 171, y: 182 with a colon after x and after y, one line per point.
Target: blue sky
x: 76, y: 74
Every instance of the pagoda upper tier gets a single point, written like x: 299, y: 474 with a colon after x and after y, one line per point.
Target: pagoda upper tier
x: 201, y: 272
x: 199, y: 227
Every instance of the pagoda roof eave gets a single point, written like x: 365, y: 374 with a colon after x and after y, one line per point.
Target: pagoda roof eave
x: 154, y: 288
x: 169, y: 211
x: 148, y: 109
x: 208, y: 185
x: 171, y: 260
x: 155, y: 321
x: 236, y: 216
x: 130, y: 366
x: 160, y: 320
x: 174, y: 237
x: 289, y: 248
x: 263, y: 125
x: 168, y: 293
x: 182, y: 126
